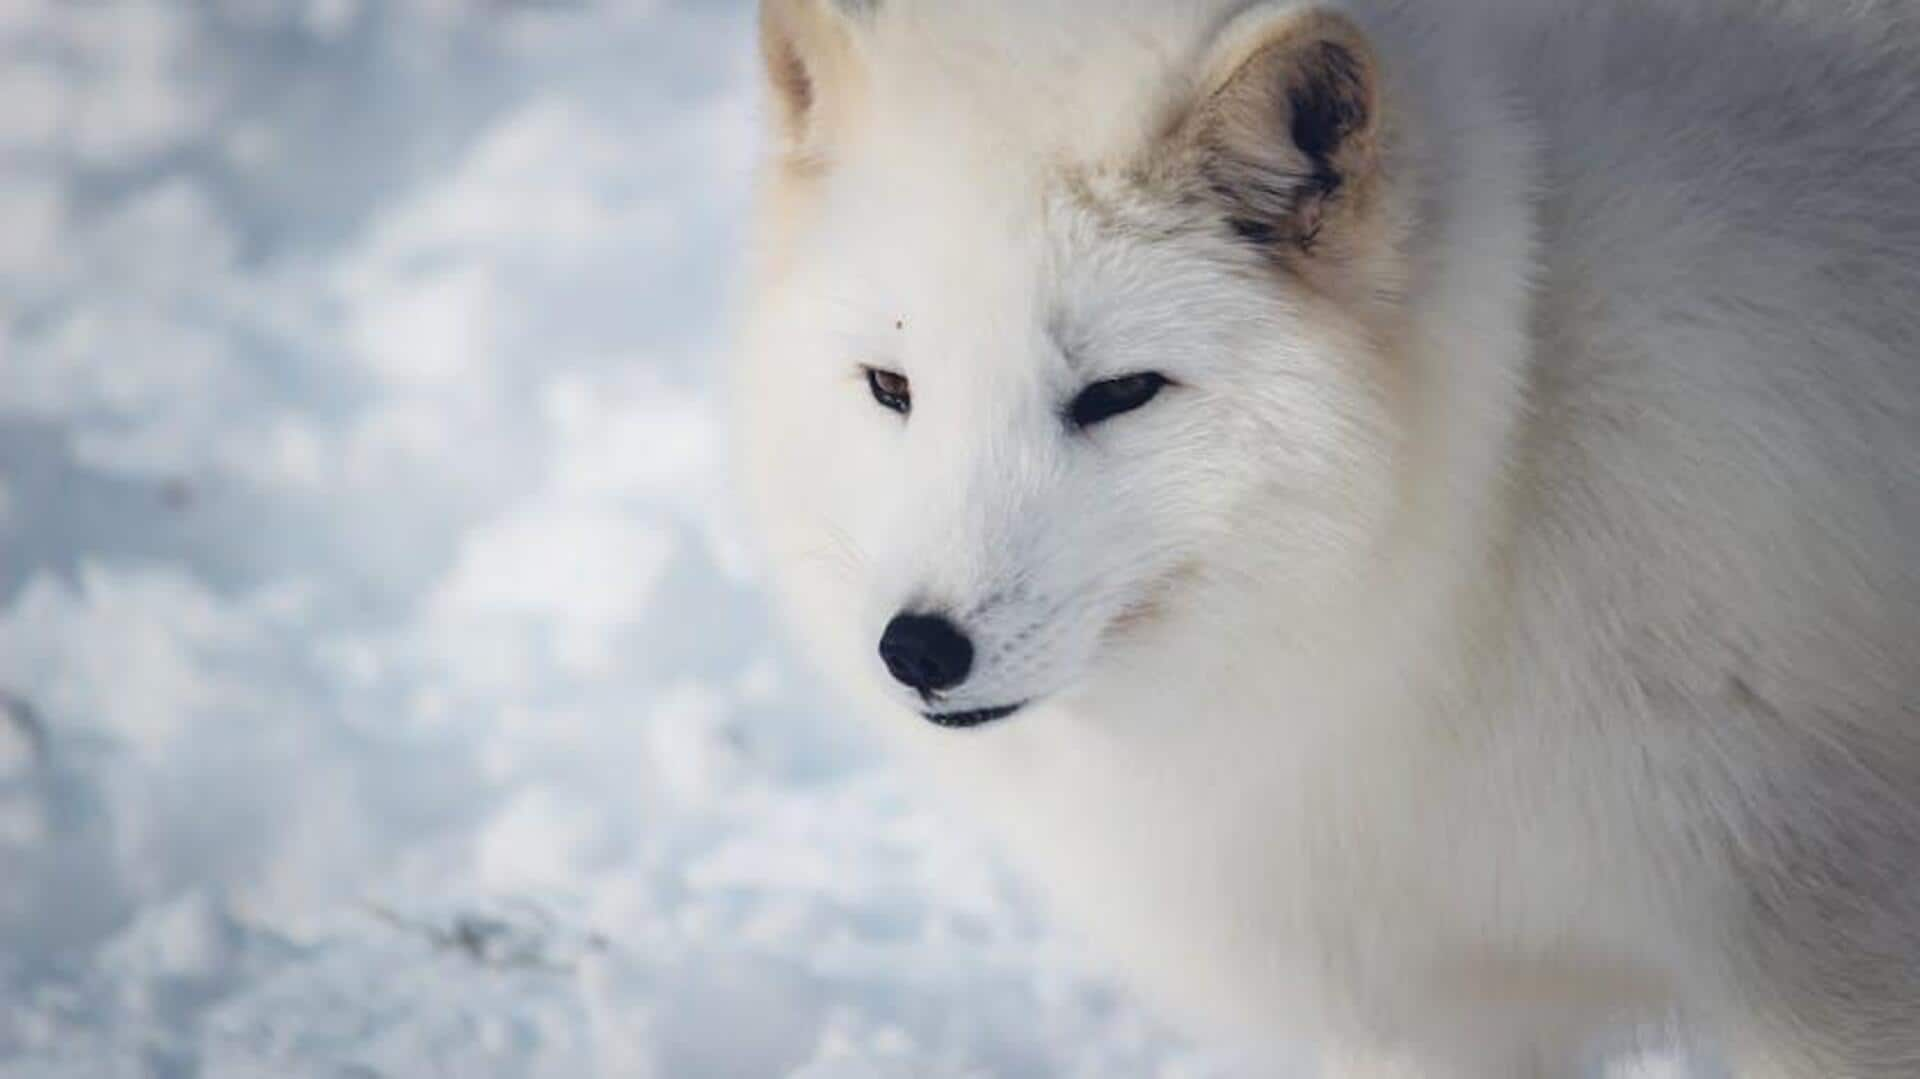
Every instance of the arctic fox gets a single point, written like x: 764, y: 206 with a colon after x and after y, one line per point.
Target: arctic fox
x: 1404, y: 516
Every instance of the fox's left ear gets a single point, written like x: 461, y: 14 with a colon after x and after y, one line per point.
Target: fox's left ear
x: 814, y: 74
x: 1286, y: 127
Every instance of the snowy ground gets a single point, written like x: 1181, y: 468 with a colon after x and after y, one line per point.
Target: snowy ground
x: 383, y: 691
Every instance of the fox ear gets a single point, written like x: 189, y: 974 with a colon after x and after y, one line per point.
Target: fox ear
x: 1287, y: 125
x: 808, y: 49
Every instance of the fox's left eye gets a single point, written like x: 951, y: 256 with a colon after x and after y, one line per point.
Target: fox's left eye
x: 1105, y: 400
x: 890, y: 389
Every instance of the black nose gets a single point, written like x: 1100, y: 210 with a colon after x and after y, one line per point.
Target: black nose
x: 926, y: 652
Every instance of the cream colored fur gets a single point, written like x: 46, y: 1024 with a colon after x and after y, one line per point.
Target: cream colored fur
x: 1507, y: 631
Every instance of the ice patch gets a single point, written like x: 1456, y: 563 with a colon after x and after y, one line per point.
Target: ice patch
x: 542, y: 839
x: 563, y: 577
x: 133, y: 95
x: 695, y: 746
x: 189, y: 938
x: 32, y: 224
x: 124, y: 650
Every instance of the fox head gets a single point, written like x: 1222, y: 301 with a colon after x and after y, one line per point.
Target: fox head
x: 1060, y: 329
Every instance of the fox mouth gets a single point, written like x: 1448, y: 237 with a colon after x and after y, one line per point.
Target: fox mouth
x: 976, y: 718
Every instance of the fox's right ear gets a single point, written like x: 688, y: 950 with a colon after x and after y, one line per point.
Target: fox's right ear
x: 813, y: 74
x: 1288, y: 128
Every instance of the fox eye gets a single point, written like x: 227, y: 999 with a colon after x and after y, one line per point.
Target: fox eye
x: 1105, y: 400
x: 891, y: 389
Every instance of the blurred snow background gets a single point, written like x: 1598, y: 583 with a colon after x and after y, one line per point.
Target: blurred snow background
x: 382, y: 688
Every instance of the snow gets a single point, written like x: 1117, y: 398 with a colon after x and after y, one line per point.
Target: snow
x: 384, y: 689
x: 383, y: 686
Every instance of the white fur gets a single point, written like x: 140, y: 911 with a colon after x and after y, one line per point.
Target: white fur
x: 1546, y: 666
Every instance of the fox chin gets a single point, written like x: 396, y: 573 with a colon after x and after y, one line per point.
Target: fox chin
x: 1405, y: 517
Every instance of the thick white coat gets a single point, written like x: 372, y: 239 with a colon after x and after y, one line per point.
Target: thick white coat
x: 1524, y: 651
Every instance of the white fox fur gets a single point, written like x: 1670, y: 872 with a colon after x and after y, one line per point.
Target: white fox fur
x: 1505, y: 628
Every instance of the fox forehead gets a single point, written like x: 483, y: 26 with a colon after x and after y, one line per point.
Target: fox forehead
x: 1061, y: 83
x: 1064, y: 283
x: 994, y: 201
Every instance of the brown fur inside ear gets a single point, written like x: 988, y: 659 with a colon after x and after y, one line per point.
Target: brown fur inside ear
x: 807, y: 50
x: 1287, y: 137
x: 787, y: 74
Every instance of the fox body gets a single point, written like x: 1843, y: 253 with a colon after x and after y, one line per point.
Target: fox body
x: 1405, y: 518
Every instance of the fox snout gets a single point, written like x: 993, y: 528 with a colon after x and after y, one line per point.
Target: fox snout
x: 930, y: 654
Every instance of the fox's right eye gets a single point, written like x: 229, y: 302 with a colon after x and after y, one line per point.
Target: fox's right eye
x: 891, y: 389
